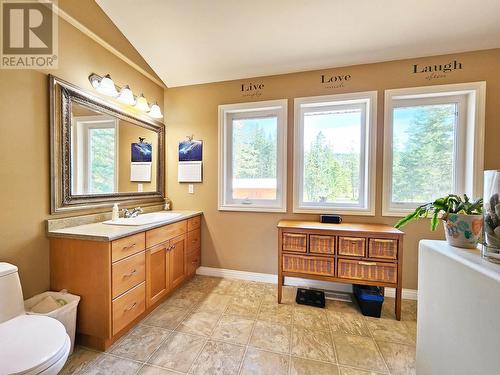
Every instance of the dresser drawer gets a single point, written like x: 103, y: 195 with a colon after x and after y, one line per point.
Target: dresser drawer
x: 382, y: 248
x: 194, y: 239
x: 165, y: 233
x: 352, y: 246
x: 308, y: 265
x: 321, y: 244
x: 369, y: 271
x: 294, y: 242
x: 127, y: 246
x: 128, y: 273
x: 128, y: 307
x: 194, y: 223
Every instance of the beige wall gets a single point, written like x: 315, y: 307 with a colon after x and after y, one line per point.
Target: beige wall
x: 24, y: 141
x: 128, y: 134
x: 247, y: 241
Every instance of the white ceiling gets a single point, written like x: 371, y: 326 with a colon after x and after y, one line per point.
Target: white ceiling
x: 198, y: 41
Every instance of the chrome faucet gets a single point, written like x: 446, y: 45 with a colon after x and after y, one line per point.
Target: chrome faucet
x: 132, y: 213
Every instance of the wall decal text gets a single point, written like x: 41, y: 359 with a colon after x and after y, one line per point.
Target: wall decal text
x: 434, y: 71
x: 252, y: 89
x: 335, y: 81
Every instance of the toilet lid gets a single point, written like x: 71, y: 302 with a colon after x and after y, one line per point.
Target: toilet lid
x: 28, y: 342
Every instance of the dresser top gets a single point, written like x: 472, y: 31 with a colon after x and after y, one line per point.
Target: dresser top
x: 344, y: 227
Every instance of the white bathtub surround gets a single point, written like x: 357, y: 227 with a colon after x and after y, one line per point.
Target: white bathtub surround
x: 458, y: 329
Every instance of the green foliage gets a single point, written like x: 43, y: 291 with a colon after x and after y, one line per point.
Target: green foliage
x: 425, y: 167
x: 102, y: 169
x: 441, y: 207
x: 328, y: 175
x: 254, y: 152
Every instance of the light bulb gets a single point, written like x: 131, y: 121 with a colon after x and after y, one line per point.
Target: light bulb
x: 142, y: 104
x: 107, y: 86
x: 126, y: 96
x: 155, y: 111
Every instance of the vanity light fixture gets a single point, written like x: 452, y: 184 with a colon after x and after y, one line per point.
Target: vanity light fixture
x: 155, y: 111
x: 126, y: 96
x: 142, y: 104
x: 107, y: 86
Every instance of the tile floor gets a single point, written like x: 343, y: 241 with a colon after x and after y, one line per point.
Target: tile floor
x: 221, y: 326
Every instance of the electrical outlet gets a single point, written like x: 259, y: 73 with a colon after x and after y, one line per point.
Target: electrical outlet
x: 140, y: 188
x: 191, y: 189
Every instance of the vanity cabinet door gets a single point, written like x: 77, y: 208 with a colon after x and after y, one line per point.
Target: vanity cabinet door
x: 157, y: 273
x: 177, y: 260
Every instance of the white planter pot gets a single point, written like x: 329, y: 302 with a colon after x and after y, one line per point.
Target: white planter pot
x: 463, y: 230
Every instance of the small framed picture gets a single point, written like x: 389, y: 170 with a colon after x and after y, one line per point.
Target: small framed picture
x: 141, y: 152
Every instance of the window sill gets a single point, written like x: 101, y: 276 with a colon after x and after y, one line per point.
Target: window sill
x: 334, y: 211
x: 252, y: 209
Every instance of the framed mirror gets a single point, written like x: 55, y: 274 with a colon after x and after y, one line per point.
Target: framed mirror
x: 102, y: 153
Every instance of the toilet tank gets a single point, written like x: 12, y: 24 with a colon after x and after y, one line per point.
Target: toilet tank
x: 11, y: 295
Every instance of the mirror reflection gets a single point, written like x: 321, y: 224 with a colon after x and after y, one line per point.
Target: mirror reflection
x: 110, y: 155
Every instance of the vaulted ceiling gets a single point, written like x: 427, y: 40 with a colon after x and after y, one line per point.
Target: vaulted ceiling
x: 199, y: 41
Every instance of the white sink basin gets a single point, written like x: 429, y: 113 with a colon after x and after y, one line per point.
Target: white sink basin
x: 143, y: 219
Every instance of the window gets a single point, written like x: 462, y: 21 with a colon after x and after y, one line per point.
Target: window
x: 252, y: 156
x: 433, y: 144
x: 96, y: 155
x: 334, y: 148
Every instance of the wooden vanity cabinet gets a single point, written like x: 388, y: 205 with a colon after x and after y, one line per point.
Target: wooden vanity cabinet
x: 121, y: 281
x: 157, y: 273
x: 177, y: 254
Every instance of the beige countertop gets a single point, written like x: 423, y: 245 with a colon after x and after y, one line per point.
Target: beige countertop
x: 106, y: 232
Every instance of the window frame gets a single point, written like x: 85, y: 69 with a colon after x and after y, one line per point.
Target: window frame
x: 368, y: 100
x: 468, y: 142
x: 227, y: 112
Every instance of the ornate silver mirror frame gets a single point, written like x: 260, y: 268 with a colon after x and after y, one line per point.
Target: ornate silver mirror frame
x: 62, y: 94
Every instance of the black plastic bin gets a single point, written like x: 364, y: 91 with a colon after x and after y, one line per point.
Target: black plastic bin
x: 370, y: 299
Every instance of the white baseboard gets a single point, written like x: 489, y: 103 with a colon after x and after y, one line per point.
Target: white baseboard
x: 273, y: 279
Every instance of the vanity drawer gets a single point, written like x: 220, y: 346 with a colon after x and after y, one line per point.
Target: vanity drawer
x: 321, y: 244
x: 194, y: 239
x: 124, y: 247
x: 128, y: 273
x: 352, y: 246
x: 308, y: 265
x: 369, y: 271
x: 194, y: 223
x: 165, y: 233
x: 128, y: 307
x: 294, y: 242
x: 382, y: 248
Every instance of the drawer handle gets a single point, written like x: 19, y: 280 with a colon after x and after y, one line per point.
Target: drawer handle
x: 128, y: 247
x: 294, y: 235
x: 367, y: 263
x: 131, y: 306
x: 131, y: 273
x: 383, y: 241
x: 173, y: 246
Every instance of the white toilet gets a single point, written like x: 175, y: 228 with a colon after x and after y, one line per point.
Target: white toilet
x: 29, y: 344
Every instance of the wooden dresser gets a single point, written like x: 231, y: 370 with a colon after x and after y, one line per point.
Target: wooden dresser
x: 122, y: 280
x: 370, y: 254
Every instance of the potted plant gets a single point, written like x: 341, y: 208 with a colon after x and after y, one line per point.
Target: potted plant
x: 462, y: 219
